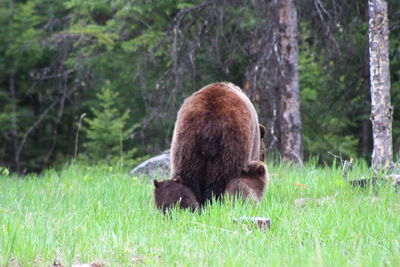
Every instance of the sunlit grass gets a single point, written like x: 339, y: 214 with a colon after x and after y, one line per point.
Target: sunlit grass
x: 100, y: 214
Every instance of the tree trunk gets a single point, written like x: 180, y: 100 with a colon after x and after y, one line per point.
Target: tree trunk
x: 288, y: 83
x: 381, y: 109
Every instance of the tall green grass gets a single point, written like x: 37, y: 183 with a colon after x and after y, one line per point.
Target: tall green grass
x: 100, y: 214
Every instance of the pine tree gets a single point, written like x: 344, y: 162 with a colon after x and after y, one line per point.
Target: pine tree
x: 106, y: 130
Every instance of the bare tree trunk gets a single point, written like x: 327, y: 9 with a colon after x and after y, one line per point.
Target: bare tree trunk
x: 381, y: 109
x: 288, y: 83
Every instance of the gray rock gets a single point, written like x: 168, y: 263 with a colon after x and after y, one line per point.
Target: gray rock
x: 156, y: 166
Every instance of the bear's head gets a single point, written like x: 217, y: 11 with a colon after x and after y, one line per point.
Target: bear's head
x: 169, y: 193
x: 255, y: 168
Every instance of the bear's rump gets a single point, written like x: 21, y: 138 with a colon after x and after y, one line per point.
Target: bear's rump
x: 216, y: 134
x: 218, y: 149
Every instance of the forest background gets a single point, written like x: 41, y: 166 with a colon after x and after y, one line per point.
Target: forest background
x: 104, y: 79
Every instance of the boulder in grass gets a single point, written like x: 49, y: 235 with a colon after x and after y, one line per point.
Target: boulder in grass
x: 155, y: 166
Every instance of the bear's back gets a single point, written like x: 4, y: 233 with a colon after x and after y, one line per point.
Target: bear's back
x: 216, y: 134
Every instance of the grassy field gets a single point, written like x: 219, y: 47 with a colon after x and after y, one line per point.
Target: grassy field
x: 84, y: 214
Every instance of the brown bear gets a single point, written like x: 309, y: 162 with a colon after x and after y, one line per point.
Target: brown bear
x: 177, y: 194
x: 251, y: 183
x: 216, y: 134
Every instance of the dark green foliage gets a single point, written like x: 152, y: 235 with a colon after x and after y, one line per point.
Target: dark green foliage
x: 57, y: 56
x: 326, y: 132
x: 106, y: 130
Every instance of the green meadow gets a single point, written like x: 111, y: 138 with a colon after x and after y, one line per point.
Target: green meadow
x: 99, y: 214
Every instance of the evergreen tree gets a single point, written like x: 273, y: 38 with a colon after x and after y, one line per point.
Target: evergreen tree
x: 107, y: 130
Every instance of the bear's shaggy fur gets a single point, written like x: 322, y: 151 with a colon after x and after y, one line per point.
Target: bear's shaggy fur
x: 216, y: 134
x: 252, y: 182
x: 171, y: 192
